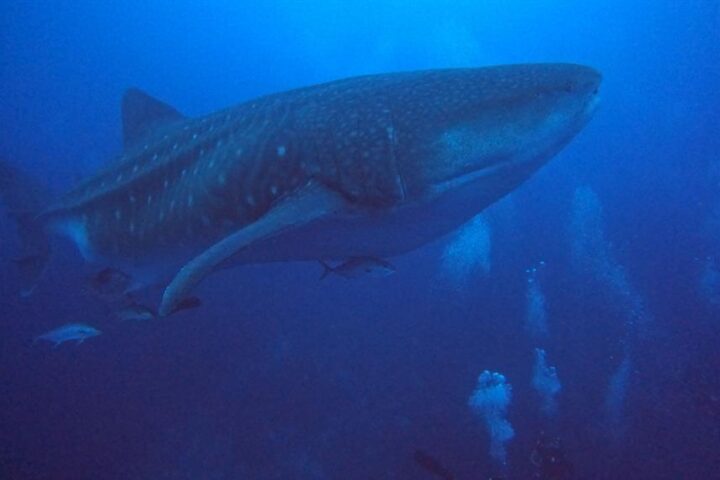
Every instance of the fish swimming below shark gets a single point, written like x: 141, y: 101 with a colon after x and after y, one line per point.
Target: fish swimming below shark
x: 110, y: 284
x: 371, y: 166
x: 432, y: 465
x: 356, y: 267
x: 73, y: 331
x: 135, y: 313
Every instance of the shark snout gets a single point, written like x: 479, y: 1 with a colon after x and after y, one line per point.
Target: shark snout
x: 583, y: 80
x: 579, y: 89
x: 587, y: 83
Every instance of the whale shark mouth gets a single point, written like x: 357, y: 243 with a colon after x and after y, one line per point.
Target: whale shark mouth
x: 477, y: 175
x: 523, y: 166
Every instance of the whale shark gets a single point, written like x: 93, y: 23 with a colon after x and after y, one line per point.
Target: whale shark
x: 371, y: 166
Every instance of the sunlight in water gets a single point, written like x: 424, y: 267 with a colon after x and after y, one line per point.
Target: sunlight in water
x: 616, y: 397
x: 546, y: 382
x: 469, y: 251
x: 490, y: 401
x: 536, y: 317
x: 591, y: 253
x: 710, y: 281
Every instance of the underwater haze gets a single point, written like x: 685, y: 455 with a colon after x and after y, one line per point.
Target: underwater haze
x: 569, y: 330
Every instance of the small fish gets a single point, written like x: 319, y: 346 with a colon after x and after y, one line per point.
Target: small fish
x: 71, y: 331
x: 432, y: 465
x: 30, y: 261
x: 187, y: 304
x: 355, y: 267
x: 135, y: 313
x: 31, y: 268
x: 110, y: 282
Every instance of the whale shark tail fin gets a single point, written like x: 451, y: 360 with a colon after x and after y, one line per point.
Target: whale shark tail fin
x: 327, y: 269
x: 25, y: 198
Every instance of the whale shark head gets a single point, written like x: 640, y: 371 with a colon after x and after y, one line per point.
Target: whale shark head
x: 490, y: 128
x: 370, y: 166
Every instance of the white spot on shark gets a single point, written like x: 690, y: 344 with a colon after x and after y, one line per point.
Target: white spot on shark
x: 222, y: 179
x: 281, y: 151
x: 190, y: 200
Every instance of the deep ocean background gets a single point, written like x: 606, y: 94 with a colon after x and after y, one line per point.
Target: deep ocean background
x: 279, y: 375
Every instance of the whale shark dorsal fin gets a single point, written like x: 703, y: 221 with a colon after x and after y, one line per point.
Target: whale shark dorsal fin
x: 141, y: 113
x: 310, y: 203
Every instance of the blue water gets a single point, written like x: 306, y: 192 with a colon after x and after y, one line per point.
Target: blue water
x: 280, y: 376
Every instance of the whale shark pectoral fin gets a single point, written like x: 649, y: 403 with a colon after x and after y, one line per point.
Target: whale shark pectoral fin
x: 307, y: 204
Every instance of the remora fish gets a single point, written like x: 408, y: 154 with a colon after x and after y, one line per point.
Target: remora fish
x: 188, y: 303
x: 72, y: 331
x: 358, y: 267
x: 369, y: 166
x: 432, y: 465
x: 110, y: 283
x: 135, y: 312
